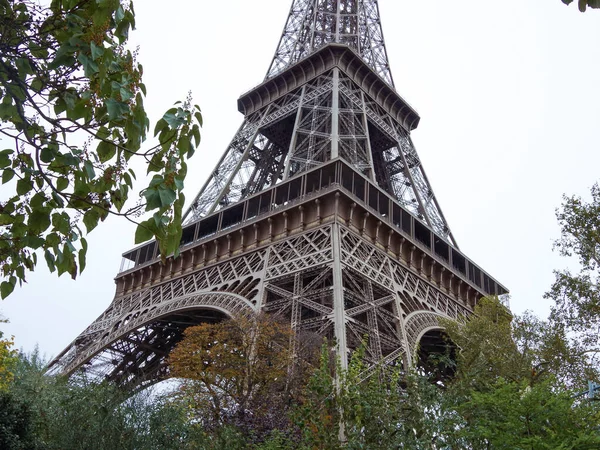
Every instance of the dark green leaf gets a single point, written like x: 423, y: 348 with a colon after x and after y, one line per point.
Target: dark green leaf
x: 37, y: 200
x: 7, y: 175
x: 46, y: 155
x: 39, y: 221
x: 82, y: 254
x: 89, y: 169
x: 5, y: 160
x: 61, y: 223
x: 90, y: 219
x: 24, y: 186
x: 62, y: 183
x: 106, y: 151
x: 6, y: 289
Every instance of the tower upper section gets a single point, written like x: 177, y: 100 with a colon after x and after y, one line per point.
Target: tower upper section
x: 312, y: 24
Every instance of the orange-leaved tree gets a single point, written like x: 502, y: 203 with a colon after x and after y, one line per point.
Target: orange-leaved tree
x: 243, y: 371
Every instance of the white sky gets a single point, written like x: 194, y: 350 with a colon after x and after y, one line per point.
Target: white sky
x: 509, y: 98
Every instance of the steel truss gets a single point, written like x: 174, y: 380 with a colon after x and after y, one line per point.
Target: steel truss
x: 312, y: 24
x: 382, y: 300
x: 329, y: 117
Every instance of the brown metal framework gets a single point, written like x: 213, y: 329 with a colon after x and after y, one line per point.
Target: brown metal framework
x: 319, y: 211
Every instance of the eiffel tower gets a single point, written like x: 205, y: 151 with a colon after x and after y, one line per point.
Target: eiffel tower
x: 319, y: 211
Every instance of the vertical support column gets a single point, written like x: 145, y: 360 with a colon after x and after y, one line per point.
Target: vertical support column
x: 292, y: 147
x: 339, y: 313
x: 262, y: 292
x: 365, y: 121
x: 335, y: 114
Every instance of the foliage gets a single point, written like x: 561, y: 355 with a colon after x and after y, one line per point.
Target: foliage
x: 515, y: 383
x: 240, y: 372
x: 380, y: 407
x: 583, y: 4
x: 494, y: 344
x: 15, y: 423
x: 53, y: 413
x: 7, y: 360
x: 71, y: 118
x: 511, y: 415
x: 577, y: 295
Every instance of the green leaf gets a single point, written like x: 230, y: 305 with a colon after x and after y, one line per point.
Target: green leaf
x: 58, y: 199
x: 37, y: 200
x: 96, y: 51
x: 6, y: 219
x: 178, y: 183
x: 24, y: 67
x: 196, y: 134
x: 167, y: 196
x: 174, y: 118
x: 106, y: 151
x: 7, y: 175
x: 116, y: 109
x: 145, y: 231
x: 160, y: 125
x: 153, y: 200
x: 126, y: 94
x: 61, y: 223
x: 89, y: 169
x: 46, y: 155
x: 34, y: 242
x: 50, y: 260
x: 82, y: 254
x: 184, y: 145
x: 90, y: 67
x: 24, y: 186
x: 119, y: 14
x: 90, y: 219
x: 6, y: 289
x: 5, y: 160
x: 62, y: 183
x: 39, y: 221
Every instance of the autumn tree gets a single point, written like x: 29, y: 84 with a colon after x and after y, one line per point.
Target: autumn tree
x: 7, y: 360
x: 71, y: 119
x: 242, y: 371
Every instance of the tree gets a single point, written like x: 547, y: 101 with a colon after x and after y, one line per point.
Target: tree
x: 243, y: 372
x: 71, y: 118
x: 583, y: 4
x: 495, y: 344
x: 45, y: 412
x: 7, y: 360
x: 16, y: 426
x: 576, y: 295
x: 516, y: 381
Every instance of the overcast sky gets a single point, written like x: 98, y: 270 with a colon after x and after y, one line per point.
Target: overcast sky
x: 509, y: 98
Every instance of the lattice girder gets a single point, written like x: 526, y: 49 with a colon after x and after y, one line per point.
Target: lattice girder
x: 293, y: 278
x: 329, y: 117
x: 312, y: 24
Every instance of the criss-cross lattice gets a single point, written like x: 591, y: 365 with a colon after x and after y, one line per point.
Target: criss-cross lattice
x: 312, y: 24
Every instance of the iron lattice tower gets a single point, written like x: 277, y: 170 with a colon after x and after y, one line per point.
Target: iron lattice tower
x: 319, y: 211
